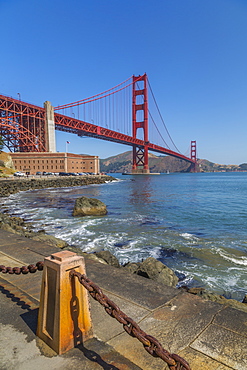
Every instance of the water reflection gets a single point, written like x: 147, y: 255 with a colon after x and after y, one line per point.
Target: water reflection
x: 141, y: 191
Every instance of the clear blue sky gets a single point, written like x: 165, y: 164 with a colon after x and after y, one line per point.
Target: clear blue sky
x: 194, y: 52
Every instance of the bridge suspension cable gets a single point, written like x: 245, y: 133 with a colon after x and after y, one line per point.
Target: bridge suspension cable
x: 113, y: 110
x: 162, y: 120
x: 102, y: 95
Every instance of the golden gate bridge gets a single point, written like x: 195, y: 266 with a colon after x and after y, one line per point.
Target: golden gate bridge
x: 121, y: 114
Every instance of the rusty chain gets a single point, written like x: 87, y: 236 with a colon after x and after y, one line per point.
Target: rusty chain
x: 22, y: 270
x: 151, y: 344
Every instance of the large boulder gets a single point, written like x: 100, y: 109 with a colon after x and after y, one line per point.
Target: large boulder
x: 89, y: 207
x: 155, y: 270
x: 108, y: 257
x: 50, y: 240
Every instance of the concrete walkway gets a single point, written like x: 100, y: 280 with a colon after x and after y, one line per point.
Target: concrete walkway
x: 206, y: 334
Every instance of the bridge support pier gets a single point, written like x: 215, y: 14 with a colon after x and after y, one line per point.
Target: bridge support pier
x: 50, y: 127
x: 140, y: 161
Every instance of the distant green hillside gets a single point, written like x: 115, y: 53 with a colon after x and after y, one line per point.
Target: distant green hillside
x: 123, y: 162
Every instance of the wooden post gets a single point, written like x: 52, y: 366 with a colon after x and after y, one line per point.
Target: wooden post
x: 64, y: 319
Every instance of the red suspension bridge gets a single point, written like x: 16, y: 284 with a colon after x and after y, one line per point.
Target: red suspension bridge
x: 121, y: 114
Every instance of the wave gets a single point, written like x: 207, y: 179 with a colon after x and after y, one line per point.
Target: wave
x: 241, y: 260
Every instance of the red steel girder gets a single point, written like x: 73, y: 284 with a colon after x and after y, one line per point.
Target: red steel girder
x: 17, y: 106
x: 81, y: 128
x: 22, y: 125
x: 18, y: 137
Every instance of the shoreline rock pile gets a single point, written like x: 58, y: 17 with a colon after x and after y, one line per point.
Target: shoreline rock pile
x: 18, y: 225
x: 13, y: 186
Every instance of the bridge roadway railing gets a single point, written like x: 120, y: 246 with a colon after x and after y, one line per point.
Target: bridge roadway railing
x: 64, y: 319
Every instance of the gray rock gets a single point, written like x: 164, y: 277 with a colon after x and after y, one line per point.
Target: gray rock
x: 7, y: 227
x: 245, y: 299
x: 155, y: 270
x: 108, y: 257
x: 89, y: 207
x: 159, y: 272
x: 132, y: 267
x: 92, y: 256
x: 50, y: 240
x: 195, y: 290
x: 222, y: 300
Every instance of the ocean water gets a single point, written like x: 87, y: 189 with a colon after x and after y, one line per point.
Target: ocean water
x: 195, y: 223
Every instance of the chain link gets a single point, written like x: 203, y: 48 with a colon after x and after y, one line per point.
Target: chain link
x: 22, y: 270
x: 151, y: 344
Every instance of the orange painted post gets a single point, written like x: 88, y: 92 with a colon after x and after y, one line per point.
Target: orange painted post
x: 64, y: 319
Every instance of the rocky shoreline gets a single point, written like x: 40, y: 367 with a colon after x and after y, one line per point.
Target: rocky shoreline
x: 12, y: 186
x: 149, y: 268
x: 18, y: 225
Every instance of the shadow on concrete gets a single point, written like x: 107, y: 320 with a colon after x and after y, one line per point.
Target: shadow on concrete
x: 95, y: 357
x: 24, y: 305
x: 30, y: 317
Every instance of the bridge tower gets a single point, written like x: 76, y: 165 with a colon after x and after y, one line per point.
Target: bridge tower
x: 140, y: 121
x: 193, y: 167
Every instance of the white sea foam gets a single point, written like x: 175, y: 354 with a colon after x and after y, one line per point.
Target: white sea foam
x: 241, y: 260
x: 189, y: 236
